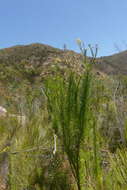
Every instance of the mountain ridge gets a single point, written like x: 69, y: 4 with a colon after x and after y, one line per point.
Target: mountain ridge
x: 37, y: 59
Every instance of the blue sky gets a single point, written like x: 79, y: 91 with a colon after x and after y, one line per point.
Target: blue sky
x: 59, y: 22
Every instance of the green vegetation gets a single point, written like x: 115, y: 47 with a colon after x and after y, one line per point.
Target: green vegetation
x: 74, y: 135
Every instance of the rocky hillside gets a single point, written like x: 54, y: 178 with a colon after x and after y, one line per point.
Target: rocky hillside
x: 36, y: 60
x: 29, y: 65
